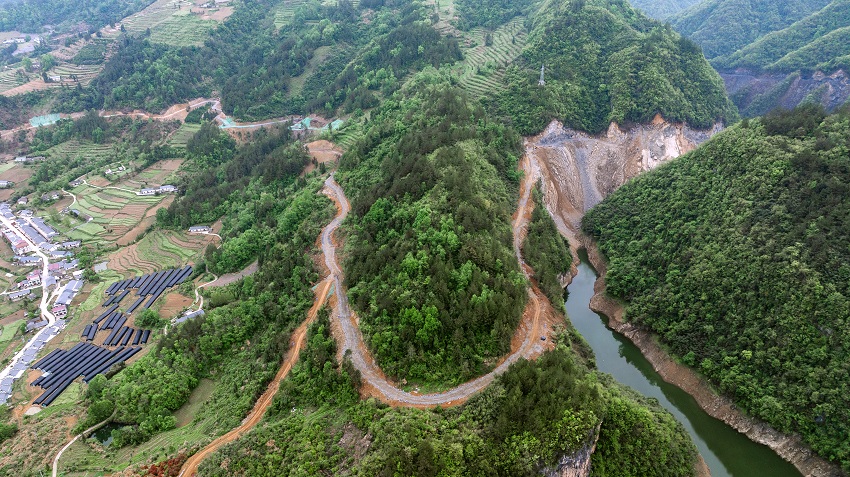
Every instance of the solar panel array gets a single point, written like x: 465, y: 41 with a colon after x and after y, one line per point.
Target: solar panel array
x: 62, y: 367
x: 86, y: 359
x: 21, y: 361
x: 149, y: 285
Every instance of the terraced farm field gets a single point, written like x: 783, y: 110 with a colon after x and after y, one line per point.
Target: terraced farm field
x: 285, y: 11
x: 175, y: 22
x: 181, y: 136
x: 483, y: 67
x: 182, y: 29
x: 84, y: 73
x: 9, y: 79
x: 158, y: 250
x: 114, y: 212
x: 75, y: 148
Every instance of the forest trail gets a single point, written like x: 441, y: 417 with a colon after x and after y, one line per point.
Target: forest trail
x: 526, y: 342
x: 299, y: 337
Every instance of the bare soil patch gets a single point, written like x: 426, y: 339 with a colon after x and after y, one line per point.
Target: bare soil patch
x: 17, y: 174
x: 173, y: 304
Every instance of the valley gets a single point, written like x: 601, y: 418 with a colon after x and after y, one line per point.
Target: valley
x: 378, y: 205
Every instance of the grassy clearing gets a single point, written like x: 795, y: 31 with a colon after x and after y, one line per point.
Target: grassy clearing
x: 82, y: 459
x: 319, y: 56
x: 9, y: 331
x: 186, y: 414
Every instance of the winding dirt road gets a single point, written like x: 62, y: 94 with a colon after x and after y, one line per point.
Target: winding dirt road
x: 299, y: 337
x: 352, y: 338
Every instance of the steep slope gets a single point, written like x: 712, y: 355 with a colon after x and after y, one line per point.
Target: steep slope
x: 662, y: 9
x: 788, y: 49
x: 721, y: 27
x: 579, y: 170
x: 604, y: 61
x: 736, y: 255
x: 430, y: 258
x: 775, y: 54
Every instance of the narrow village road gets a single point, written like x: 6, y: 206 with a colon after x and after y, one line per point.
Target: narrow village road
x: 39, y: 338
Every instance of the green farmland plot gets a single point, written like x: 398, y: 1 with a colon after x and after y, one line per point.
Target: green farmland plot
x: 182, y: 29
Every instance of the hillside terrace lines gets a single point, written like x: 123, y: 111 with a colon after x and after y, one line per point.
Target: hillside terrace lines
x: 484, y: 66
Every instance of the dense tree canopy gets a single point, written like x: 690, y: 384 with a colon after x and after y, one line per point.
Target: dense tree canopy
x: 607, y: 62
x: 430, y: 265
x: 738, y: 256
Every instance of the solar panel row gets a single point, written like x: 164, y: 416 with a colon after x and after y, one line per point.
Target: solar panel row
x: 62, y: 367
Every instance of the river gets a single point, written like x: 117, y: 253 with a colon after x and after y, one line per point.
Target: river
x: 727, y: 452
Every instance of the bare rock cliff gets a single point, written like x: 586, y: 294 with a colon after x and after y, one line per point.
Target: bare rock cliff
x: 578, y: 170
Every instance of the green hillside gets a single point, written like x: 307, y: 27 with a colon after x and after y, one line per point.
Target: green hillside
x: 738, y: 256
x: 431, y: 259
x: 662, y: 9
x: 605, y: 61
x: 814, y: 42
x: 722, y: 27
x: 31, y: 15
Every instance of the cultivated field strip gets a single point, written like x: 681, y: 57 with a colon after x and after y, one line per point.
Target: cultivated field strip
x: 483, y: 67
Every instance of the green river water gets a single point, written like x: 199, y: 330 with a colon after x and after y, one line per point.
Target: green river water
x: 727, y: 452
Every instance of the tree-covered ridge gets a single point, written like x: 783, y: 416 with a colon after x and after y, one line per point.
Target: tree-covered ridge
x: 534, y: 414
x: 547, y: 252
x: 252, y: 63
x: 606, y: 62
x: 662, y: 9
x: 32, y: 15
x: 738, y: 256
x: 430, y: 265
x: 490, y: 13
x: 810, y: 43
x: 722, y: 27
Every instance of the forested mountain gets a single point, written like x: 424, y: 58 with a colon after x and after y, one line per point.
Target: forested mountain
x: 605, y: 61
x: 722, y: 27
x: 428, y: 243
x: 738, y: 256
x: 662, y: 9
x: 252, y: 62
x: 816, y: 42
x: 31, y: 15
x: 430, y: 257
x: 775, y: 54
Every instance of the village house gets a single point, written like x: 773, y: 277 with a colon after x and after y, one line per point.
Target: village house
x: 36, y: 324
x: 69, y: 292
x: 167, y: 188
x: 54, y: 195
x: 60, y: 311
x: 23, y: 200
x: 200, y: 229
x: 19, y: 295
x: 70, y: 245
x: 147, y: 191
x: 33, y: 279
x: 24, y: 260
x: 6, y: 184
